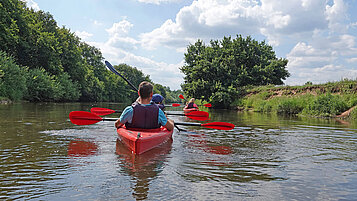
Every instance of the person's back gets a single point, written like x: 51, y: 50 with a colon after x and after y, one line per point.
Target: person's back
x: 143, y: 113
x: 144, y: 116
x: 191, y: 104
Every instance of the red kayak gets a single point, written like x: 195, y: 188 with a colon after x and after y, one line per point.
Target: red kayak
x: 190, y: 110
x: 142, y: 140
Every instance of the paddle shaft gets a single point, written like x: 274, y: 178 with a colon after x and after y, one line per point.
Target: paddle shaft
x: 176, y: 123
x: 116, y: 72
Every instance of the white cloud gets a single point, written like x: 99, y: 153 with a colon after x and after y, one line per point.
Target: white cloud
x: 336, y: 15
x: 121, y: 28
x: 83, y: 35
x: 118, y: 36
x: 158, y: 2
x: 97, y: 23
x: 213, y: 19
x: 322, y: 60
x: 204, y: 19
x: 323, y: 49
x: 160, y: 72
x: 352, y: 60
x: 32, y: 4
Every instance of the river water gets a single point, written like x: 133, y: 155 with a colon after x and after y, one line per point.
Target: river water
x: 43, y: 156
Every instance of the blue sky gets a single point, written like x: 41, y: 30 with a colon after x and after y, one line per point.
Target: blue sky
x: 318, y: 37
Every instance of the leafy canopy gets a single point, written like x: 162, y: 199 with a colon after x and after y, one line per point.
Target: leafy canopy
x: 215, y: 73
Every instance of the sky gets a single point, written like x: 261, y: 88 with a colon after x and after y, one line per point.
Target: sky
x: 318, y: 37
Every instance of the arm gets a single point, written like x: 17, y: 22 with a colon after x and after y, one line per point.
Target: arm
x: 170, y: 124
x: 118, y: 124
x: 126, y: 116
x: 165, y: 122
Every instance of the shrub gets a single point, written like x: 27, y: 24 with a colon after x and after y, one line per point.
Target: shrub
x: 326, y: 106
x: 41, y: 86
x: 289, y: 106
x: 67, y: 90
x: 12, y: 78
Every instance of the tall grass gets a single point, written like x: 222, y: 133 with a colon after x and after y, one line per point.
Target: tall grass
x: 324, y: 105
x: 327, y: 105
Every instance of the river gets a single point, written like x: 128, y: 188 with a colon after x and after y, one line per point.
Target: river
x: 43, y: 156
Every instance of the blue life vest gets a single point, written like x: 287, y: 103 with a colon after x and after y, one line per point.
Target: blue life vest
x: 144, y: 116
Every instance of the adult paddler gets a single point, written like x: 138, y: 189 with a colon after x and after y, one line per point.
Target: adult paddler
x: 143, y: 113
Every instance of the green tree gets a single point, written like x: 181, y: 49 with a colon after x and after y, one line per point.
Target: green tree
x: 217, y: 72
x: 135, y: 76
x: 12, y: 78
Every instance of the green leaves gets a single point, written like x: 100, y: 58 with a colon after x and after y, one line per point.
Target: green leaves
x: 12, y: 79
x: 233, y: 63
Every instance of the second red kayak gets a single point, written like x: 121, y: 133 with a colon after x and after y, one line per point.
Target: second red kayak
x: 142, y: 140
x: 190, y: 110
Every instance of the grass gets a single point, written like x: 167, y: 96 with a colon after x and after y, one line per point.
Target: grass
x: 322, y: 100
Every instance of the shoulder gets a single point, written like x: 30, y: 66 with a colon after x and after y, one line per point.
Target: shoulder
x: 128, y: 110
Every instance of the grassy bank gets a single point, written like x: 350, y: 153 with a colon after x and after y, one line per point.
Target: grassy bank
x: 322, y: 100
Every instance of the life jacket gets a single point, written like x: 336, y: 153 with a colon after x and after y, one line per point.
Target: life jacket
x: 161, y: 106
x: 191, y: 105
x: 144, y: 116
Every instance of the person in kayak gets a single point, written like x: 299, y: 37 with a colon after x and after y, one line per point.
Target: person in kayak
x: 191, y: 104
x: 157, y: 99
x: 143, y: 113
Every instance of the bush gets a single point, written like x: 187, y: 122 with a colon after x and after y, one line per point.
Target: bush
x: 12, y: 78
x: 291, y: 105
x: 326, y: 106
x: 42, y: 86
x: 67, y: 90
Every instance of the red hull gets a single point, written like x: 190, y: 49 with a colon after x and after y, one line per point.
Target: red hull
x: 142, y: 140
x: 190, y: 110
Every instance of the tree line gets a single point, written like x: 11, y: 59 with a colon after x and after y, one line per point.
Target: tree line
x: 220, y: 72
x: 40, y: 61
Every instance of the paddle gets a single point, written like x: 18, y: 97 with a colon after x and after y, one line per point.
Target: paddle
x: 132, y: 86
x: 206, y: 105
x: 214, y: 125
x: 173, y: 105
x: 116, y: 72
x: 195, y: 115
x: 87, y: 118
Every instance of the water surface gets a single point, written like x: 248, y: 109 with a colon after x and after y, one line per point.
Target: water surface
x: 266, y: 157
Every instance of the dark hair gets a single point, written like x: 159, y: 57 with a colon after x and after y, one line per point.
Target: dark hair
x: 145, y: 89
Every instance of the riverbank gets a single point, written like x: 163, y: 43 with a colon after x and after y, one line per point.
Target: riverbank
x: 333, y: 99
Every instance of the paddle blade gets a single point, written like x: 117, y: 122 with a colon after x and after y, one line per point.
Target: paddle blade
x: 219, y: 125
x: 208, y: 105
x: 198, y: 115
x: 101, y: 111
x: 84, y: 118
x: 176, y: 105
x: 181, y: 96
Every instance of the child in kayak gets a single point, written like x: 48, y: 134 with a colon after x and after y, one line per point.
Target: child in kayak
x: 143, y: 113
x: 157, y: 99
x: 191, y: 104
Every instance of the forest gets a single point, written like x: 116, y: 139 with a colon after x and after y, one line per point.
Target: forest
x: 40, y: 61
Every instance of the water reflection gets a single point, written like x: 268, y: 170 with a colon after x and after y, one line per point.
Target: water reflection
x: 232, y: 156
x: 266, y: 157
x: 143, y: 168
x: 80, y: 148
